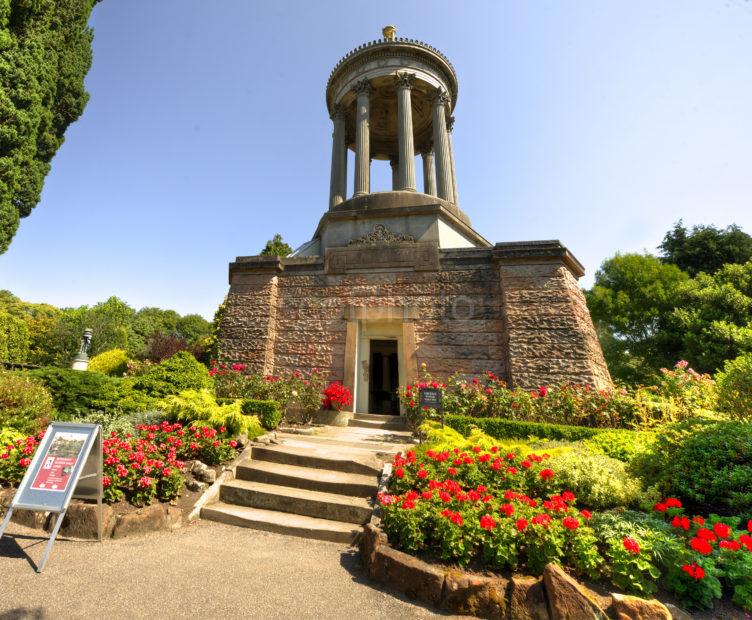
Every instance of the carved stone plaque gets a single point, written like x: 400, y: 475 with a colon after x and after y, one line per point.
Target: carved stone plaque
x: 420, y: 256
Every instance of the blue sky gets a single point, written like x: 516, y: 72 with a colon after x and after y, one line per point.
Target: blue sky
x: 597, y: 123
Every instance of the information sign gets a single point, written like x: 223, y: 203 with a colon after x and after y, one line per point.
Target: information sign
x: 432, y: 398
x: 67, y: 463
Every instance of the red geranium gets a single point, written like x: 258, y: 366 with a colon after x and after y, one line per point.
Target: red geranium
x: 631, y: 545
x: 694, y: 571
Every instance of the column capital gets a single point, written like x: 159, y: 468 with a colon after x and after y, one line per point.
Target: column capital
x: 338, y: 112
x: 363, y: 87
x: 439, y: 97
x: 405, y: 79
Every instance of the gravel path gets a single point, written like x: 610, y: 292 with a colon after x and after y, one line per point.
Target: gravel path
x: 204, y: 570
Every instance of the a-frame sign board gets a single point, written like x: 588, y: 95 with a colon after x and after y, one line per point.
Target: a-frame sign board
x: 67, y: 464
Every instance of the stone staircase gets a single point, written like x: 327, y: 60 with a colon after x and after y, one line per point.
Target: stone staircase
x: 319, y: 483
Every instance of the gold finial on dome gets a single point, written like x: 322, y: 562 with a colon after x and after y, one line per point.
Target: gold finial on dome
x: 389, y: 32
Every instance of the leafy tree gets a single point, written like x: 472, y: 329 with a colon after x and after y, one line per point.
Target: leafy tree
x: 40, y: 320
x: 193, y: 327
x: 14, y: 339
x: 713, y: 316
x: 45, y: 53
x: 629, y: 302
x: 705, y: 248
x: 276, y: 247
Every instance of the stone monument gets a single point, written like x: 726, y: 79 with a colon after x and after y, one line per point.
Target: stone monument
x: 394, y: 279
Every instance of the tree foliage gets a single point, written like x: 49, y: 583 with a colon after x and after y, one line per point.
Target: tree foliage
x: 649, y: 312
x: 705, y: 248
x: 45, y: 53
x: 276, y: 247
x: 630, y: 301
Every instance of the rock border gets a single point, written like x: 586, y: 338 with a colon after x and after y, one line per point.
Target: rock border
x: 554, y: 596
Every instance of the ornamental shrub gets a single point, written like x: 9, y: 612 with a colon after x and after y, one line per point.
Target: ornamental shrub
x: 113, y: 362
x: 517, y: 429
x: 734, y: 387
x: 599, y: 481
x: 14, y: 339
x: 269, y: 412
x: 709, y: 468
x: 200, y: 405
x: 180, y: 372
x: 78, y: 393
x: 25, y: 404
x: 618, y: 444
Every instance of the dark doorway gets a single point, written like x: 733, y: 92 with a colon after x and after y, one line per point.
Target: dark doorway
x: 384, y: 379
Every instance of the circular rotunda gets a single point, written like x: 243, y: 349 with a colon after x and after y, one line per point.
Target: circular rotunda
x: 392, y: 99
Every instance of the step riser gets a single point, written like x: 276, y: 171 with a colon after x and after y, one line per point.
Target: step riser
x: 294, y: 505
x: 262, y: 453
x: 381, y: 426
x: 280, y: 479
x: 377, y: 417
x: 216, y: 515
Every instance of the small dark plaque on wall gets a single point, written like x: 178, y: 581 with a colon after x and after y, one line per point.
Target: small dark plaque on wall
x: 431, y: 398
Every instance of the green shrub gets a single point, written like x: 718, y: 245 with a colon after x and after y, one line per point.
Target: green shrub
x: 77, y: 393
x: 618, y: 444
x: 9, y: 436
x: 200, y: 405
x: 516, y: 429
x: 119, y: 422
x: 113, y: 362
x: 598, y: 481
x: 269, y: 412
x: 709, y: 468
x: 734, y: 387
x: 180, y: 372
x: 14, y: 339
x: 25, y: 404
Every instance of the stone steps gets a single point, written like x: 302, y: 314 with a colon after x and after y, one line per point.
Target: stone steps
x: 304, y: 502
x: 314, y: 485
x: 281, y: 522
x: 363, y: 422
x: 376, y: 416
x: 318, y: 458
x: 328, y: 481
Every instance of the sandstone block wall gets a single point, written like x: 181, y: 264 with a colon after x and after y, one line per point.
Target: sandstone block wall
x: 522, y: 319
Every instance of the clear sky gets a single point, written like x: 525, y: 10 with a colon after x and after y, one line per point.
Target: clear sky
x: 596, y: 123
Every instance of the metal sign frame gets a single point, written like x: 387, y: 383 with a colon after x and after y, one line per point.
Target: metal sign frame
x: 433, y: 399
x: 85, y: 480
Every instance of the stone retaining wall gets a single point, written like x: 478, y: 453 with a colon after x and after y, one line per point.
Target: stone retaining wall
x: 555, y: 596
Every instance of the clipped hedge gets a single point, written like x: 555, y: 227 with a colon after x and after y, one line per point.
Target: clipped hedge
x: 113, y: 362
x: 269, y: 412
x: 176, y: 374
x: 517, y: 429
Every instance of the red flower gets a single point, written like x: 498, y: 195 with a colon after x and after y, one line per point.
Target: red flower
x: 526, y: 464
x: 144, y: 482
x: 24, y: 462
x: 399, y: 472
x: 586, y: 514
x: 631, y: 545
x: 680, y: 522
x: 698, y: 520
x: 567, y: 496
x: 541, y: 519
x: 701, y: 546
x: 542, y: 391
x: 660, y: 507
x: 694, y: 571
x: 487, y: 522
x: 733, y: 545
x: 452, y: 471
x: 672, y: 502
x: 570, y: 523
x: 408, y: 504
x: 705, y: 534
x: 521, y: 524
x: 445, y: 497
x: 456, y: 518
x: 547, y: 474
x: 507, y: 509
x: 422, y: 473
x: 722, y: 530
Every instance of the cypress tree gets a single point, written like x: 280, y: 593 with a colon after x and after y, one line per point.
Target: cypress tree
x: 45, y: 53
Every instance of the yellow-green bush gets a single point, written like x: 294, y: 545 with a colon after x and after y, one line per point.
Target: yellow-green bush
x: 734, y: 387
x: 200, y: 405
x: 113, y: 362
x: 25, y: 404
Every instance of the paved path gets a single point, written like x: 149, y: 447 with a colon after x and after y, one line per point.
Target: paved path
x: 204, y: 570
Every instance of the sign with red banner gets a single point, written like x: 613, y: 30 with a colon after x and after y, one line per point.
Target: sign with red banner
x: 59, y: 462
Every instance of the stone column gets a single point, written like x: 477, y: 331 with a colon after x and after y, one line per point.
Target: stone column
x: 450, y: 126
x: 405, y: 132
x: 429, y: 173
x: 441, y: 146
x: 394, y: 163
x: 362, y: 142
x: 338, y: 184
